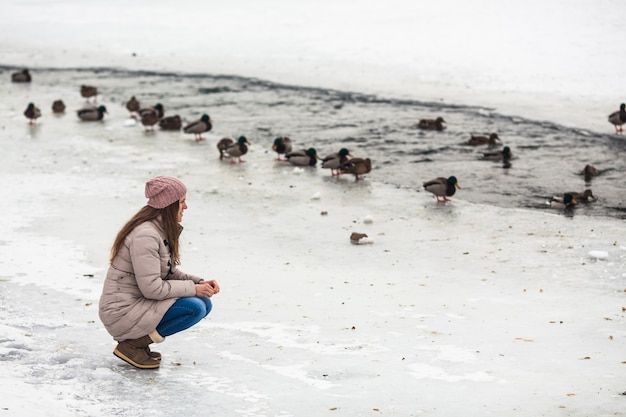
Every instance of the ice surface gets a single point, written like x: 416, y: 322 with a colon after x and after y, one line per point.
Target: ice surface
x: 456, y: 309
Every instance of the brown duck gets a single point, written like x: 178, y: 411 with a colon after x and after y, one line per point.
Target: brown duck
x: 171, y: 123
x: 432, y: 124
x: 89, y: 91
x: 133, y: 106
x: 492, y: 139
x: 357, y: 167
x: 58, y: 106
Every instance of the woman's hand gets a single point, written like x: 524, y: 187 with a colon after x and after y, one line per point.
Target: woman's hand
x: 207, y: 288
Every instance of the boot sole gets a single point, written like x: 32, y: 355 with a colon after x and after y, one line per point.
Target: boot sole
x: 125, y: 358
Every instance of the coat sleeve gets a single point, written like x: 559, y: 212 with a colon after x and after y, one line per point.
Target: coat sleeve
x: 144, y: 255
x: 178, y: 274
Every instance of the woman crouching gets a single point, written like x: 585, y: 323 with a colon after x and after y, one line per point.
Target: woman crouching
x: 145, y: 297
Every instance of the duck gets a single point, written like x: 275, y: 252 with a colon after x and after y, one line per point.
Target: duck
x: 432, y: 124
x: 91, y: 113
x: 197, y: 127
x: 589, y: 171
x: 304, y: 157
x: 355, y: 237
x: 232, y: 149
x: 222, y: 144
x: 158, y: 108
x: 585, y: 196
x: 89, y: 91
x: 149, y: 118
x: 133, y: 106
x: 356, y: 166
x: 618, y: 118
x: 282, y: 145
x: 492, y: 139
x: 442, y: 187
x: 58, y: 106
x: 171, y: 122
x: 32, y: 113
x: 503, y: 155
x: 565, y: 201
x: 22, y: 76
x: 334, y: 160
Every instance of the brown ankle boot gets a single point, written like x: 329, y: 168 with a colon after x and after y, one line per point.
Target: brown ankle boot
x: 153, y: 354
x: 134, y: 352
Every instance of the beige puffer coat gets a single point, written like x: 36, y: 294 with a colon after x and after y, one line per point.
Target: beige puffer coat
x: 142, y: 284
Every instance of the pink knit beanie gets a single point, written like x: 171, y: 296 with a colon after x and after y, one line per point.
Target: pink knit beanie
x: 163, y: 191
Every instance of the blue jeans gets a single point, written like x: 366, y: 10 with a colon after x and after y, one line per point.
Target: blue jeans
x: 183, y: 314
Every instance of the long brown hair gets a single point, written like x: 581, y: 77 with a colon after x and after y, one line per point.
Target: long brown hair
x: 168, y: 217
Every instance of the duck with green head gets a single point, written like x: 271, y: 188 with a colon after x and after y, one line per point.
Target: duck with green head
x: 91, y: 113
x: 334, y: 161
x: 228, y: 147
x: 32, y: 113
x: 303, y: 158
x: 22, y: 76
x: 442, y: 187
x: 282, y: 145
x: 566, y: 201
x: 197, y: 127
x: 503, y: 155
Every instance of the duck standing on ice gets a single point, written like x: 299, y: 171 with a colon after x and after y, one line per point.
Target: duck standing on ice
x: 197, y: 127
x: 442, y: 187
x: 334, y: 161
x: 282, y: 145
x: 618, y: 118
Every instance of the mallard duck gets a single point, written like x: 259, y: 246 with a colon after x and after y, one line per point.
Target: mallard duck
x: 432, y: 124
x: 585, y: 196
x: 222, y: 144
x: 504, y: 155
x: 32, y: 113
x: 91, y: 113
x: 197, y: 127
x: 334, y: 161
x: 89, y: 91
x: 133, y: 106
x: 282, y: 146
x: 618, y: 118
x: 356, y: 166
x: 171, y: 123
x: 232, y: 149
x: 304, y: 157
x: 442, y: 187
x: 563, y: 202
x: 149, y: 118
x: 158, y: 108
x: 22, y: 76
x: 492, y: 139
x: 58, y: 106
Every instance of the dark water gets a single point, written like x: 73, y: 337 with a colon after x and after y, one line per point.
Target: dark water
x: 547, y: 157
